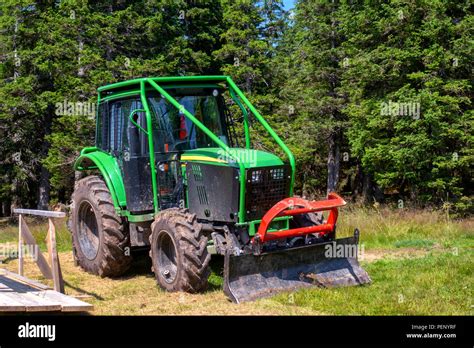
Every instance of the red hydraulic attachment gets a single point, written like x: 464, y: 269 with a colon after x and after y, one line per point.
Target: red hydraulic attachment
x: 296, y: 206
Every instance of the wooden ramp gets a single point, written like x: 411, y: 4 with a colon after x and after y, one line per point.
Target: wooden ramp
x: 20, y: 294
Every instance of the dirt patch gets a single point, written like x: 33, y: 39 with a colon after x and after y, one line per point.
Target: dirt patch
x: 399, y: 253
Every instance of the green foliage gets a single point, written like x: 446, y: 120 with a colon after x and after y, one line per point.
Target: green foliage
x: 392, y: 82
x: 70, y: 134
x: 374, y: 98
x: 309, y: 75
x: 243, y: 54
x: 408, y: 84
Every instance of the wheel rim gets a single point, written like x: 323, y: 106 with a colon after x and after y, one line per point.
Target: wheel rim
x: 88, y: 230
x: 167, y: 257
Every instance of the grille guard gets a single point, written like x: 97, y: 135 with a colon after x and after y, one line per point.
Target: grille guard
x: 295, y: 206
x: 272, y: 185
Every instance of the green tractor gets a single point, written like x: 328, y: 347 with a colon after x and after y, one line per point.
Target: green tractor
x: 168, y: 173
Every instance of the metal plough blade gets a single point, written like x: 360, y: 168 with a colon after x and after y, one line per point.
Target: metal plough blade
x: 249, y: 277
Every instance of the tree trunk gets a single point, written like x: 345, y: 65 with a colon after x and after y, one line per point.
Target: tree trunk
x: 356, y: 184
x: 333, y: 163
x: 44, y: 186
x: 371, y: 192
x: 367, y: 188
x: 364, y: 187
x: 6, y: 208
x: 44, y: 189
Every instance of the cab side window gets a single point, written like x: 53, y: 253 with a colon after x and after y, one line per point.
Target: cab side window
x: 102, y: 129
x: 115, y: 132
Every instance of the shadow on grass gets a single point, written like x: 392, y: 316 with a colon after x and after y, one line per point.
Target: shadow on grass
x: 92, y: 294
x: 141, y: 265
x: 8, y: 259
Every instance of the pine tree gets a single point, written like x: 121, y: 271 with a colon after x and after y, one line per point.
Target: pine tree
x: 119, y: 40
x: 408, y: 82
x: 21, y: 109
x: 373, y: 98
x: 243, y: 52
x: 312, y: 101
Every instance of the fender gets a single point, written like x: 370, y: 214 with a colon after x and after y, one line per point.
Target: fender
x: 93, y: 158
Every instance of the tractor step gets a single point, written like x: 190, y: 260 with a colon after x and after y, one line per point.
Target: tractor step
x: 334, y: 264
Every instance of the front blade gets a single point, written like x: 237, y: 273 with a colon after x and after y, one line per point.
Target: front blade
x: 249, y: 277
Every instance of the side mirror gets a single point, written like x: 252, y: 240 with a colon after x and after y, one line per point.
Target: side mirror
x: 134, y: 119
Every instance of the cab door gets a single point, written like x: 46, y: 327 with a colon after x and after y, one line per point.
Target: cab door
x: 126, y: 140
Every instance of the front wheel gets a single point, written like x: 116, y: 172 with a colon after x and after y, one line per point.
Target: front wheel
x: 179, y: 251
x: 100, y: 238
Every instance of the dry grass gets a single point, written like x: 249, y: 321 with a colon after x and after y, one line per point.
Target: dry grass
x: 419, y: 255
x: 136, y: 293
x: 387, y: 228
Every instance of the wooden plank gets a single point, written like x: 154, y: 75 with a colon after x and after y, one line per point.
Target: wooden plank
x: 20, y: 246
x: 38, y: 301
x: 24, y: 280
x: 31, y: 302
x: 46, y: 213
x: 68, y: 303
x: 40, y: 304
x: 9, y: 305
x: 19, y: 296
x: 53, y: 255
x: 41, y: 261
x: 13, y: 285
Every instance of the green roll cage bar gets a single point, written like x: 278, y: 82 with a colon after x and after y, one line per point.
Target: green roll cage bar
x: 233, y: 90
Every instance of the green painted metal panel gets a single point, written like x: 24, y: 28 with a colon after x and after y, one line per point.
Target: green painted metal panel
x: 253, y: 225
x: 138, y: 218
x: 150, y: 146
x: 121, y: 95
x: 248, y: 157
x: 136, y: 82
x: 109, y: 169
x: 246, y: 117
x: 132, y: 92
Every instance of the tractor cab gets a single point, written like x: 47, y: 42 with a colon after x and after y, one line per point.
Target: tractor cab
x: 124, y: 133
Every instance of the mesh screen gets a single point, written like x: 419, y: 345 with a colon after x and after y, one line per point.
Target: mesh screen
x: 265, y: 187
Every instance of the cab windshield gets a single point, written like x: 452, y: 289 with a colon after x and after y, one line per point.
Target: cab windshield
x: 173, y: 131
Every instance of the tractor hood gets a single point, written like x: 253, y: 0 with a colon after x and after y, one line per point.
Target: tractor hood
x: 216, y: 155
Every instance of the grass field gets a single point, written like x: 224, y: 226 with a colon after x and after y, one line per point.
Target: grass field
x: 420, y: 262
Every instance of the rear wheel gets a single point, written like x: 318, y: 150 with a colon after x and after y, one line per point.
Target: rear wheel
x: 99, y: 236
x: 179, y: 251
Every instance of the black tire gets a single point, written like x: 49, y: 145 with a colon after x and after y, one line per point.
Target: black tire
x: 99, y: 235
x: 179, y: 251
x: 311, y: 219
x: 308, y: 219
